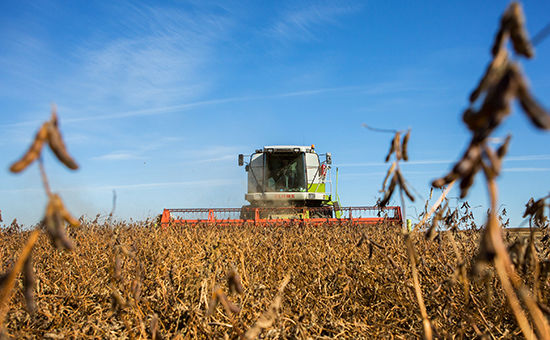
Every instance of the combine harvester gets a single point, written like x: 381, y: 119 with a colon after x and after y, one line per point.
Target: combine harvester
x: 286, y: 184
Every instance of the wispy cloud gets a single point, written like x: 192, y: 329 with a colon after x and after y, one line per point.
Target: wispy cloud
x: 524, y: 158
x: 202, y: 183
x: 211, y: 154
x: 206, y: 154
x: 435, y: 173
x: 215, y: 182
x: 525, y: 169
x: 140, y: 150
x: 301, y: 23
x: 148, y: 57
x: 118, y: 156
x: 159, y: 56
x: 216, y: 159
x: 420, y: 162
x: 496, y: 140
x: 160, y: 110
x: 527, y: 158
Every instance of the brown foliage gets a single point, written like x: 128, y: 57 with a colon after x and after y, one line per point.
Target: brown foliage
x: 502, y: 82
x: 398, y: 148
x: 49, y: 131
x: 54, y: 220
x: 337, y: 288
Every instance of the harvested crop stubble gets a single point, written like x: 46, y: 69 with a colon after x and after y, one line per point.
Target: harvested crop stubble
x: 133, y: 280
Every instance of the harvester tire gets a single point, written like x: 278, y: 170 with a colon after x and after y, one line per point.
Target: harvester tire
x: 247, y: 213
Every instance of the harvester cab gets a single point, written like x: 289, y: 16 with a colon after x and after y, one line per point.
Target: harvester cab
x: 288, y: 176
x: 286, y: 184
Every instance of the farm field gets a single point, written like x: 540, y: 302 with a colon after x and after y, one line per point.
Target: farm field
x: 135, y: 280
x: 445, y: 277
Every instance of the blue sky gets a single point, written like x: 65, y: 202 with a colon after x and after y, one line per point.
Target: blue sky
x: 156, y: 99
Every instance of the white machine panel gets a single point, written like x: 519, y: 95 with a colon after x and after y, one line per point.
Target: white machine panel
x: 312, y: 168
x: 256, y: 173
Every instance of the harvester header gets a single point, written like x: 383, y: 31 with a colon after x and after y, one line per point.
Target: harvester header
x: 286, y: 183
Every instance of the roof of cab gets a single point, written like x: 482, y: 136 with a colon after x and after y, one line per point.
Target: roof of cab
x: 289, y: 148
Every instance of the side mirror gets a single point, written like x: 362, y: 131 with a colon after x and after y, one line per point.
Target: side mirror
x: 329, y: 158
x: 241, y: 159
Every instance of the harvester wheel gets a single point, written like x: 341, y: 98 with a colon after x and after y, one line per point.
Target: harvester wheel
x: 324, y: 213
x: 247, y: 213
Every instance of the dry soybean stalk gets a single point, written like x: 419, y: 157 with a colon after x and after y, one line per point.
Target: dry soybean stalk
x: 428, y: 332
x: 435, y: 206
x: 234, y: 282
x: 56, y: 143
x: 493, y: 246
x: 269, y: 316
x: 29, y: 284
x: 535, y: 211
x: 56, y: 214
x: 219, y: 297
x: 398, y: 148
x: 9, y: 282
x: 502, y: 82
x: 49, y: 131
